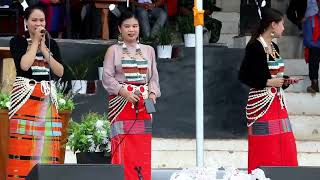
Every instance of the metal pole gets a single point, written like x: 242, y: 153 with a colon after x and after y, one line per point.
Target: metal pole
x: 199, y: 90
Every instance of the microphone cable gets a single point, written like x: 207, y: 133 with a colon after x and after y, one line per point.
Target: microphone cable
x: 47, y: 36
x: 128, y: 132
x: 139, y: 174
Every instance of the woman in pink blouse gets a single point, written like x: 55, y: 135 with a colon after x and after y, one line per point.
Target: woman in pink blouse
x: 130, y: 77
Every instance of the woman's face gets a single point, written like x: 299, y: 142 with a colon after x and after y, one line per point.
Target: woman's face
x: 129, y: 30
x: 278, y: 28
x: 36, y: 20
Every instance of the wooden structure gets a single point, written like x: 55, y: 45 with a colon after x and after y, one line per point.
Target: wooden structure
x: 10, y: 22
x: 4, y: 54
x: 104, y: 6
x: 65, y: 117
x: 4, y: 127
x: 7, y: 70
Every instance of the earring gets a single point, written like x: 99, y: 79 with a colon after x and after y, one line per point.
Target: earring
x: 272, y: 34
x: 120, y: 39
x: 138, y: 39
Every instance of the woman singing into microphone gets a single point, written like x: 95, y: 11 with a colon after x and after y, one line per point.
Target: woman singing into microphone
x: 35, y: 127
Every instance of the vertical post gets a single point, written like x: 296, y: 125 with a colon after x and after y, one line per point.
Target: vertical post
x: 104, y: 19
x: 17, y: 21
x: 199, y: 90
x: 68, y: 18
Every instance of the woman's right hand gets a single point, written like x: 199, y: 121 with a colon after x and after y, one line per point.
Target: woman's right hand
x: 38, y: 35
x: 131, y: 97
x: 275, y: 82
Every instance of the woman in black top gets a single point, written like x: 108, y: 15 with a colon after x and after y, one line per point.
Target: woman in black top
x: 25, y: 48
x: 270, y: 138
x: 35, y: 127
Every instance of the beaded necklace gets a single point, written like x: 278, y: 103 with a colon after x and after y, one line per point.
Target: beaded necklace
x: 259, y: 101
x: 138, y: 51
x: 273, y: 53
x: 135, y: 66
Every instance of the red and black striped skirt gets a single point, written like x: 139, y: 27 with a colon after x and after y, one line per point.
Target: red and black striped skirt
x: 131, y: 135
x: 270, y: 139
x: 34, y: 135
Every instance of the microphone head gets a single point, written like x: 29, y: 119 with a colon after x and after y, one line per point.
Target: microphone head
x: 115, y: 10
x: 43, y: 31
x: 137, y: 92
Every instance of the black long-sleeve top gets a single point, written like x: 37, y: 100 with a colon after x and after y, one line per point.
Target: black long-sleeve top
x: 18, y: 47
x: 296, y: 11
x: 254, y: 70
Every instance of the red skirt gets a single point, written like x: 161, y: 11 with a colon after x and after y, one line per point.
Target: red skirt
x: 35, y: 131
x: 270, y: 139
x: 131, y: 135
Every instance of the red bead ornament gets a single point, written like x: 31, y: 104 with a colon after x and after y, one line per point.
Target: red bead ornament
x: 130, y: 88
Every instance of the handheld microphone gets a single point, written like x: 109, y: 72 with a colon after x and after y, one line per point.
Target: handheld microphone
x: 43, y: 31
x: 137, y: 92
x: 278, y: 88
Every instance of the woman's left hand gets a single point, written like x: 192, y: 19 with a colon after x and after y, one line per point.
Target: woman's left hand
x: 153, y: 97
x: 43, y: 45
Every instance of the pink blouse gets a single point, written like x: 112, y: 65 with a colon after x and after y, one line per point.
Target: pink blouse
x: 113, y: 74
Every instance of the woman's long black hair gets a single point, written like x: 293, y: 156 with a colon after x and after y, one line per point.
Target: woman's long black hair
x: 127, y: 15
x: 29, y: 10
x: 269, y: 15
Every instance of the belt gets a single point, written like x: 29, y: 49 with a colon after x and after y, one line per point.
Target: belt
x: 271, y: 127
x: 18, y: 157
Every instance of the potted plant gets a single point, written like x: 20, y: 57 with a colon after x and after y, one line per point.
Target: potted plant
x: 148, y: 40
x: 186, y: 27
x: 98, y: 62
x: 65, y: 107
x: 4, y: 100
x: 65, y: 98
x: 79, y: 74
x: 164, y: 48
x: 89, y: 139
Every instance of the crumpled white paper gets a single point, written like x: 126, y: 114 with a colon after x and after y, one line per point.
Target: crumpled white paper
x: 229, y: 173
x: 195, y: 174
x: 258, y: 174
